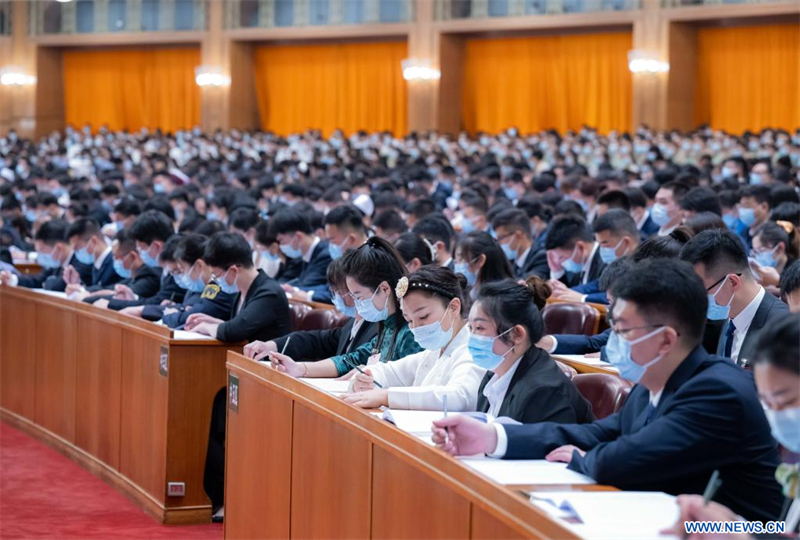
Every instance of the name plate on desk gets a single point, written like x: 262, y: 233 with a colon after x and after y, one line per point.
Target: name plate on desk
x: 163, y: 362
x: 233, y: 393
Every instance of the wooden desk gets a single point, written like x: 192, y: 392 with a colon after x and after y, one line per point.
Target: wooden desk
x: 301, y: 464
x: 584, y: 367
x: 117, y: 394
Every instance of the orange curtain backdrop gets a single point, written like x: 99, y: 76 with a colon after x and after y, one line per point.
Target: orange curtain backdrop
x: 748, y: 77
x: 132, y: 88
x: 350, y: 86
x: 544, y: 82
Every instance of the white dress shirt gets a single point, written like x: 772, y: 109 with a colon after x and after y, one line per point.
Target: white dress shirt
x: 98, y: 262
x: 743, y: 321
x: 588, y: 268
x: 520, y: 260
x: 497, y: 387
x: 308, y: 254
x: 419, y: 381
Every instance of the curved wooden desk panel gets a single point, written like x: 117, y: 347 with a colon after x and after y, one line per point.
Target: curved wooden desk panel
x: 301, y: 464
x: 90, y: 382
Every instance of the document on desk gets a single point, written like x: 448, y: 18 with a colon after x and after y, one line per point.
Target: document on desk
x: 525, y: 471
x: 189, y: 336
x: 57, y: 294
x: 581, y: 359
x: 417, y: 423
x: 332, y: 386
x: 607, y: 515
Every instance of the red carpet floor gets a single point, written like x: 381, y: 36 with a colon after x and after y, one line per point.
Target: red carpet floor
x: 45, y: 495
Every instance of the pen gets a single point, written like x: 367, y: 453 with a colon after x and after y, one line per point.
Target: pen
x: 446, y: 430
x: 179, y: 327
x: 286, y: 344
x: 713, y: 485
x: 357, y: 368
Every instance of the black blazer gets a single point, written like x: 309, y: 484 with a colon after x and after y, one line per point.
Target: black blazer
x: 168, y: 289
x: 709, y: 417
x: 597, y: 267
x: 264, y: 314
x: 539, y: 392
x: 535, y: 264
x: 649, y: 228
x: 313, y: 272
x: 105, y: 275
x: 321, y: 344
x: 52, y: 279
x: 143, y: 283
x: 212, y: 301
x: 771, y: 310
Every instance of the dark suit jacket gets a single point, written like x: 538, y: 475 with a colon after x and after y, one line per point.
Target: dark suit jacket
x: 168, y: 290
x: 709, y: 417
x: 321, y: 344
x: 212, y: 301
x: 143, y: 283
x: 539, y: 392
x: 581, y: 344
x: 105, y: 275
x: 649, y: 228
x: 572, y: 280
x: 771, y: 310
x: 535, y: 264
x: 51, y: 278
x: 592, y: 292
x: 312, y: 273
x: 264, y: 314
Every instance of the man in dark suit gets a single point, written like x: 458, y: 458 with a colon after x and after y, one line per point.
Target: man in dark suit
x: 688, y: 415
x: 439, y: 233
x: 737, y: 300
x: 90, y: 248
x: 297, y: 241
x: 513, y: 231
x: 572, y: 254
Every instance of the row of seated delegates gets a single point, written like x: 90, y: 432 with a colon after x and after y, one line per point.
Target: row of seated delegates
x: 91, y: 248
x: 54, y: 254
x: 689, y: 413
x: 777, y: 376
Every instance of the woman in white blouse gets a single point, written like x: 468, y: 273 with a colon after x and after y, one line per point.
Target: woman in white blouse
x: 432, y: 303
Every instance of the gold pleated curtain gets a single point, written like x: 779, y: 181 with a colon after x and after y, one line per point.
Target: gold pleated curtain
x: 132, y: 88
x: 542, y: 82
x: 350, y: 86
x: 748, y: 77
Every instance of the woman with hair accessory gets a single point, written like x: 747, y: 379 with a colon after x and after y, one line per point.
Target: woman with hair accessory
x: 432, y: 301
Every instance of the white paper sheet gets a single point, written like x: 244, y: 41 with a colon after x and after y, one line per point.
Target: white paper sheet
x: 526, y: 471
x: 414, y: 422
x: 332, y: 386
x: 608, y: 515
x: 581, y: 359
x: 186, y: 335
x: 57, y: 294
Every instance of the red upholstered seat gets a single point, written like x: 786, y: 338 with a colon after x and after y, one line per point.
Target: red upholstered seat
x: 298, y: 312
x: 570, y: 318
x: 318, y: 319
x: 606, y: 393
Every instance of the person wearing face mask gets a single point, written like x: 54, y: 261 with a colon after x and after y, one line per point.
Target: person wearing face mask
x: 260, y: 309
x: 91, y: 249
x: 297, y: 240
x: 761, y: 174
x: 790, y: 286
x: 481, y: 260
x: 640, y: 213
x: 777, y: 373
x: 523, y: 382
x: 123, y: 215
x: 688, y: 414
x: 415, y: 251
x: 371, y: 274
x: 312, y: 345
x: 754, y: 208
x: 666, y: 213
x: 572, y: 254
x: 432, y: 303
x: 437, y: 230
x: 344, y: 229
x: 512, y: 227
x: 473, y: 210
x: 776, y: 246
x: 734, y: 296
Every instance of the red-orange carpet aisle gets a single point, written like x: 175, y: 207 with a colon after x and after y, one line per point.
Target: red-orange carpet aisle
x: 45, y: 495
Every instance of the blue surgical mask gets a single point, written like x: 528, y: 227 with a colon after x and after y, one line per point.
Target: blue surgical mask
x: 267, y: 254
x: 767, y: 258
x: 119, y: 225
x: 717, y: 312
x: 571, y: 266
x: 84, y: 257
x: 785, y: 426
x: 467, y: 226
x: 225, y: 287
x: 511, y: 193
x: 660, y: 214
x: 289, y: 251
x: 212, y: 215
x: 31, y: 215
x: 756, y: 179
x: 341, y: 307
x: 432, y: 337
x: 335, y: 250
x: 159, y: 188
x: 609, y: 254
x: 730, y: 220
x: 147, y: 259
x: 46, y: 260
x: 366, y: 308
x: 747, y: 216
x: 481, y: 348
x: 463, y: 268
x: 618, y: 351
x: 121, y: 271
x: 510, y: 254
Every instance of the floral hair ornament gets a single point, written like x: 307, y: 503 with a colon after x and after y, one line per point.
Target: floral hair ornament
x: 402, y: 288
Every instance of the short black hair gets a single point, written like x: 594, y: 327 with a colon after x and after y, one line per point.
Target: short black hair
x: 168, y: 251
x: 209, y: 227
x: 390, y: 221
x: 411, y: 246
x: 618, y: 221
x: 514, y: 220
x: 264, y: 234
x: 290, y: 221
x: 52, y: 231
x: 701, y: 199
x: 435, y: 228
x: 162, y: 204
x: 790, y: 279
x: 243, y: 218
x: 636, y: 197
x: 614, y: 271
x: 782, y: 193
x: 718, y: 250
x: 658, y: 247
x: 128, y: 207
x: 668, y: 292
x: 45, y: 199
x: 190, y: 248
x: 83, y: 228
x: 346, y: 217
x: 779, y: 344
x: 566, y: 230
x: 786, y: 211
x: 421, y: 208
x: 535, y: 208
x: 760, y: 193
x: 335, y: 274
x: 150, y: 226
x: 678, y: 189
x: 704, y: 221
x: 615, y: 198
x: 226, y: 249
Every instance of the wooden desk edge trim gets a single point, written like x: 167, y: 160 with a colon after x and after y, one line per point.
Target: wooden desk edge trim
x: 581, y: 367
x: 438, y: 465
x: 118, y: 481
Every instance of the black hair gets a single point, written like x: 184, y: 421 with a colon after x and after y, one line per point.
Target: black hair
x: 190, y: 248
x: 439, y: 281
x: 658, y: 247
x: 701, y: 199
x: 614, y: 271
x: 290, y: 221
x: 243, y: 218
x: 761, y: 194
x: 772, y: 233
x: 335, y: 274
x: 636, y: 197
x: 52, y: 231
x: 779, y: 344
x: 435, y: 228
x: 150, y: 226
x: 475, y: 202
x: 497, y: 266
x: 619, y: 222
x: 719, y: 251
x: 411, y: 246
x: 565, y: 230
x: 83, y: 228
x: 786, y: 211
x: 168, y: 251
x: 128, y: 207
x: 373, y: 263
x: 513, y: 220
x: 44, y: 199
x: 615, y: 198
x: 704, y: 221
x: 668, y: 292
x: 678, y: 189
x: 346, y: 217
x: 510, y: 304
x: 390, y: 221
x: 226, y: 249
x: 783, y: 193
x: 535, y: 208
x: 264, y: 234
x: 421, y: 208
x: 790, y: 279
x: 125, y: 243
x: 209, y: 227
x: 728, y: 198
x: 160, y: 203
